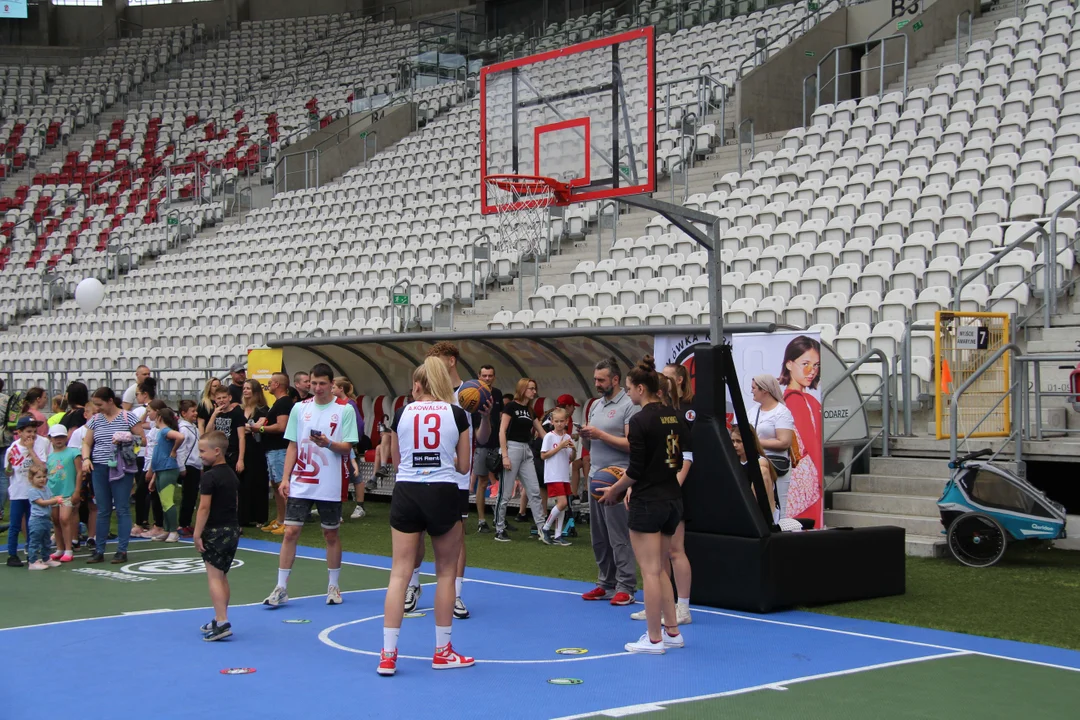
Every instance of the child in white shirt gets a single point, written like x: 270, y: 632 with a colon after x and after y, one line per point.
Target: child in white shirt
x: 558, y: 453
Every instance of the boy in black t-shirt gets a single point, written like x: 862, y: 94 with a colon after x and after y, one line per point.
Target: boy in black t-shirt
x: 228, y: 418
x: 217, y: 528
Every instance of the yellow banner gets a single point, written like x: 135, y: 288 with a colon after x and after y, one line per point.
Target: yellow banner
x: 262, y: 364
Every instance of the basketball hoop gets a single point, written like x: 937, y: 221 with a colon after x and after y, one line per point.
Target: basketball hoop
x: 521, y: 202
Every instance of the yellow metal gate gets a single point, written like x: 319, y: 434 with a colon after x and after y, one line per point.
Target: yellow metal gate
x: 963, y: 342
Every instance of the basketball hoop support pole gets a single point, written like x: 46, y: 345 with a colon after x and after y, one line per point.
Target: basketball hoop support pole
x: 685, y: 219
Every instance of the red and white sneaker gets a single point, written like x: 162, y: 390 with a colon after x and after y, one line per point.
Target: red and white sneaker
x: 622, y: 598
x: 597, y: 593
x: 447, y: 659
x: 387, y: 662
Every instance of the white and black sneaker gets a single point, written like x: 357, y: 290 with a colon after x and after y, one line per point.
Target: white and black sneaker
x: 279, y: 597
x: 412, y: 597
x: 217, y: 632
x: 460, y: 611
x: 501, y: 536
x: 483, y: 527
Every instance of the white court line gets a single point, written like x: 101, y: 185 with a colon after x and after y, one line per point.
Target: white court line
x: 661, y: 704
x: 804, y: 626
x: 308, y: 557
x: 324, y: 637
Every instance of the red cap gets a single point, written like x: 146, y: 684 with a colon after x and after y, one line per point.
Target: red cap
x: 565, y: 400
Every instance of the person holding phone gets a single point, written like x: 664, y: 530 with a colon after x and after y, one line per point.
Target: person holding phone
x: 321, y: 434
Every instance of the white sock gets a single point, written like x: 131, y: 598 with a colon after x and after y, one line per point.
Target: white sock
x: 457, y: 586
x: 415, y: 582
x: 559, y: 527
x: 684, y: 603
x: 442, y: 637
x: 335, y: 575
x: 553, y: 517
x: 389, y: 638
x: 283, y: 577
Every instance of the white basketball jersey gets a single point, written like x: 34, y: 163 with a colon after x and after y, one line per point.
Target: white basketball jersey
x: 428, y: 434
x: 319, y: 473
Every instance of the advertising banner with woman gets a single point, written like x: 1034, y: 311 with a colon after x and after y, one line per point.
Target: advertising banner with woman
x: 781, y: 381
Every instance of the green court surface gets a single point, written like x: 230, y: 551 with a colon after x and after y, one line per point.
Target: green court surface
x: 953, y: 686
x: 160, y: 578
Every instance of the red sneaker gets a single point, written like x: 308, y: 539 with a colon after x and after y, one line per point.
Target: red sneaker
x: 597, y: 593
x: 387, y: 662
x: 447, y: 659
x: 56, y: 555
x: 622, y: 598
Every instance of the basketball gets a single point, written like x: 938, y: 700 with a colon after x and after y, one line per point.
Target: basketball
x: 605, y: 478
x: 473, y: 395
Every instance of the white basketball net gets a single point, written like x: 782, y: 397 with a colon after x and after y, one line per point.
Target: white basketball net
x: 522, y: 230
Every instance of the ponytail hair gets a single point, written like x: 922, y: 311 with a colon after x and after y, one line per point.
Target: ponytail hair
x: 31, y: 398
x: 686, y: 388
x: 167, y: 416
x: 644, y: 373
x: 434, y: 379
x: 669, y: 391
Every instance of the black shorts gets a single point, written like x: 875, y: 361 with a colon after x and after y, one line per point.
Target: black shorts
x: 654, y: 516
x: 431, y: 507
x: 463, y: 503
x: 686, y: 513
x: 297, y: 510
x: 219, y: 546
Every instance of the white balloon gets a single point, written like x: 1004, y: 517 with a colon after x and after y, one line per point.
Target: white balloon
x: 89, y: 294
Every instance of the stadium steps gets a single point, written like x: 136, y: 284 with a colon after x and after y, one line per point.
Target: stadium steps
x: 922, y: 74
x: 896, y: 491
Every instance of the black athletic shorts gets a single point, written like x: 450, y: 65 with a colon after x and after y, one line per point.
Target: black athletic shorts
x: 654, y: 516
x: 219, y: 546
x: 463, y: 503
x: 431, y: 507
x: 298, y: 509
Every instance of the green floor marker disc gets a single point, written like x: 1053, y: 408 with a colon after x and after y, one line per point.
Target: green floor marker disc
x: 565, y: 681
x: 571, y: 651
x: 237, y: 671
x: 415, y: 614
x: 295, y: 622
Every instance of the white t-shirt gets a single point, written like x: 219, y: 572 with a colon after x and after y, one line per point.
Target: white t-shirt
x: 129, y: 395
x: 319, y: 472
x: 767, y: 422
x: 428, y: 434
x: 75, y: 439
x: 139, y: 413
x: 556, y: 467
x: 18, y: 458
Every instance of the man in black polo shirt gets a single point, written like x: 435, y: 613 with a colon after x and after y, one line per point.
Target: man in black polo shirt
x: 481, y: 470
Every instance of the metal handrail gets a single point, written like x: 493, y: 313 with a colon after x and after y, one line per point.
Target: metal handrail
x: 865, y: 45
x: 393, y: 306
x: 801, y: 23
x: 995, y: 260
x: 1035, y: 387
x: 476, y: 264
x: 739, y: 140
x: 958, y: 18
x: 954, y: 402
x: 806, y: 121
x: 614, y: 226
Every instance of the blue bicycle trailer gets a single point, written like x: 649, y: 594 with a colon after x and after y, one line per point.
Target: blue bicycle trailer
x: 985, y: 507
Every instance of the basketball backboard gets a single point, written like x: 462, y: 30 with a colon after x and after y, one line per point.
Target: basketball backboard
x: 583, y: 115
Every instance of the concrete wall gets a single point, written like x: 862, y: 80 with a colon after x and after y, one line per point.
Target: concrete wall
x: 339, y: 152
x: 771, y: 94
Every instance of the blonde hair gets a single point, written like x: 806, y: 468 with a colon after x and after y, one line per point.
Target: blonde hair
x: 207, y: 399
x: 669, y: 391
x: 35, y: 472
x: 560, y: 412
x: 434, y: 379
x: 345, y: 386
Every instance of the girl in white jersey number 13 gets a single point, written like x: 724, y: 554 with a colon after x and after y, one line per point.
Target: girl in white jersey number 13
x: 430, y: 447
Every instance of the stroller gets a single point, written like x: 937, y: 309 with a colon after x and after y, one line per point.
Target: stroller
x: 983, y: 507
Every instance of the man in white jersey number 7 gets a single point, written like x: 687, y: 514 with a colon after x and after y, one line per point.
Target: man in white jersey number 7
x: 430, y: 447
x: 321, y: 434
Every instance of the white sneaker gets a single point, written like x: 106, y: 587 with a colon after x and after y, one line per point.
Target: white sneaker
x: 357, y: 513
x: 682, y: 615
x: 314, y: 512
x: 39, y: 565
x: 52, y: 563
x: 673, y: 642
x: 333, y: 595
x: 412, y: 597
x: 279, y: 597
x: 639, y: 615
x: 173, y: 537
x: 646, y: 646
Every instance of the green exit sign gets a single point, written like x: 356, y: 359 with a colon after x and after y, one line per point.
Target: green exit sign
x: 916, y: 26
x: 901, y: 24
x: 809, y: 53
x: 812, y: 6
x: 401, y: 299
x: 173, y: 221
